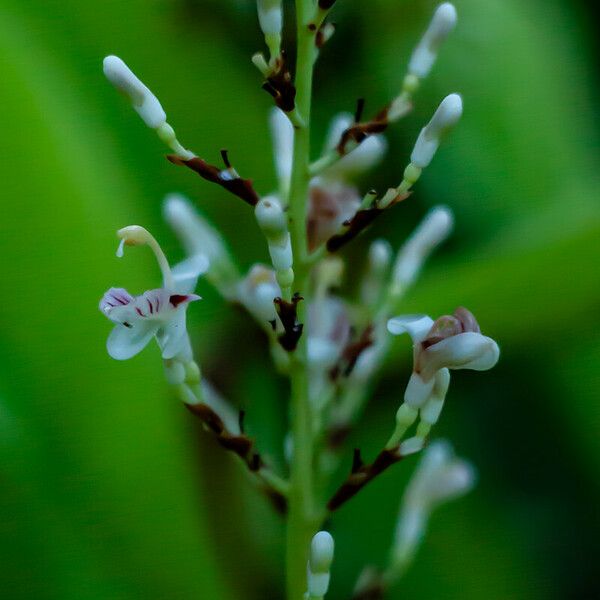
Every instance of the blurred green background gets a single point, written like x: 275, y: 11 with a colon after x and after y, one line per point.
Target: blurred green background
x: 108, y: 488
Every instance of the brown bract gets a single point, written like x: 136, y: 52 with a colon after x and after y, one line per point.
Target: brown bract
x: 362, y: 474
x: 359, y: 132
x: 288, y: 315
x: 279, y: 85
x: 242, y: 188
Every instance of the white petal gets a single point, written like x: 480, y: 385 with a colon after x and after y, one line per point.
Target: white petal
x: 463, y: 351
x: 186, y: 273
x: 417, y: 326
x: 431, y: 411
x: 116, y: 304
x: 418, y: 391
x: 125, y: 342
x: 172, y: 337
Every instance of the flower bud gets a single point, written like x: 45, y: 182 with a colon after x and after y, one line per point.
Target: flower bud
x: 321, y: 552
x: 319, y: 564
x: 257, y: 291
x: 142, y: 99
x: 439, y: 477
x: 200, y: 238
x: 431, y: 232
x: 445, y: 117
x: 380, y: 254
x: 282, y: 132
x: 424, y: 55
x: 271, y: 218
x: 362, y: 158
x: 270, y: 16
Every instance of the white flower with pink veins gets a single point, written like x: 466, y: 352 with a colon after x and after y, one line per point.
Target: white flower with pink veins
x: 159, y: 313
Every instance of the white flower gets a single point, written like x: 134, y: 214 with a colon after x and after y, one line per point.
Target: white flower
x: 444, y: 118
x: 142, y: 99
x: 451, y: 342
x: 424, y: 55
x: 159, y: 313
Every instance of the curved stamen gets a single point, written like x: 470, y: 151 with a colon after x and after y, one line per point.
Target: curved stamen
x: 134, y: 235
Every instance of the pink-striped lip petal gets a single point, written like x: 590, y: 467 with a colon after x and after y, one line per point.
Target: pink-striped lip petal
x: 114, y: 298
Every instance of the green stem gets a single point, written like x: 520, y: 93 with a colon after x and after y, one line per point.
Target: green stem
x: 301, y: 521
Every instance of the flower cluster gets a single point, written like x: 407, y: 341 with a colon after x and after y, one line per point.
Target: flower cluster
x: 331, y: 347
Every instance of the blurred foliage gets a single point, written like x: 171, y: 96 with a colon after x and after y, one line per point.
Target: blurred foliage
x: 108, y: 489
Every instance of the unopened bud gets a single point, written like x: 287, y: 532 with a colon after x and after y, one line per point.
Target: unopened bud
x: 424, y: 55
x: 444, y: 118
x: 270, y: 16
x: 431, y: 232
x: 142, y: 99
x: 319, y: 564
x: 271, y: 218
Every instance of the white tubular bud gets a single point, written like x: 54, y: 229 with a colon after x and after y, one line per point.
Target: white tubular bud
x: 431, y: 232
x: 380, y: 255
x: 359, y: 159
x: 439, y: 477
x: 445, y: 117
x: 270, y: 16
x: 319, y: 564
x: 271, y: 218
x: 424, y: 55
x: 281, y: 255
x: 199, y: 237
x: 282, y: 132
x: 142, y: 99
x: 257, y: 291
